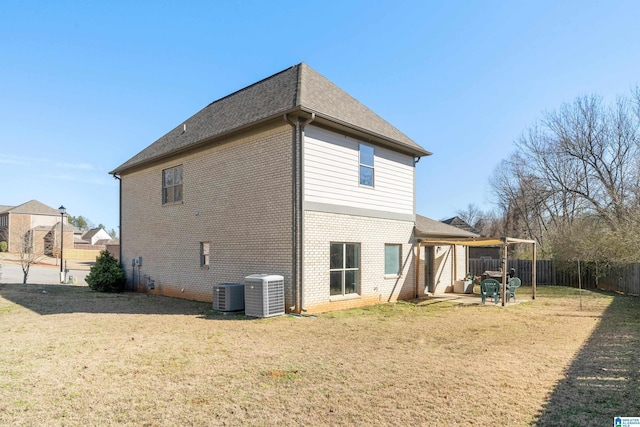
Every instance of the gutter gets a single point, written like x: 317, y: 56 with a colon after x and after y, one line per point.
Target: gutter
x: 315, y: 116
x: 380, y: 139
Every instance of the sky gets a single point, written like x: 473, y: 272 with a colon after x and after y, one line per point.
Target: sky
x: 84, y: 86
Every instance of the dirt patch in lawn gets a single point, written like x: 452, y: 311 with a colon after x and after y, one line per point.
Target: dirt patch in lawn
x: 70, y: 356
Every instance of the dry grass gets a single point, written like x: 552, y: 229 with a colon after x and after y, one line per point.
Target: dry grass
x: 74, y: 357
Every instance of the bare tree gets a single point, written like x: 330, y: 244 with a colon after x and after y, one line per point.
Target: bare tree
x: 577, y: 171
x: 472, y: 215
x: 27, y: 250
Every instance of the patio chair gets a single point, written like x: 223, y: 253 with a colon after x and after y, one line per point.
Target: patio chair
x: 513, y: 284
x: 490, y: 288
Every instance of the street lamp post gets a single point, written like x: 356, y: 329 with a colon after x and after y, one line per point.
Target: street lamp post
x: 62, y: 211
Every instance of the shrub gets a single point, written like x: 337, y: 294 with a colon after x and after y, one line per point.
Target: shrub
x: 3, y: 246
x: 106, y: 275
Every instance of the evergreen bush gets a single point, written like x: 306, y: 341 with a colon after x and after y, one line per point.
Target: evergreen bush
x: 106, y: 275
x: 3, y: 246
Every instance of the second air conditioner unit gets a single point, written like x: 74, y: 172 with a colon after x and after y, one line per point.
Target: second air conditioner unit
x: 228, y: 297
x: 263, y: 295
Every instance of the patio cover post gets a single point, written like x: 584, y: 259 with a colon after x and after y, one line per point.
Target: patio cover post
x: 533, y: 272
x: 503, y: 289
x: 487, y: 241
x: 417, y: 273
x: 455, y: 264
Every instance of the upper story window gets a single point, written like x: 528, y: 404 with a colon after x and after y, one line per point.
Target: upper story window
x: 366, y: 165
x: 172, y: 185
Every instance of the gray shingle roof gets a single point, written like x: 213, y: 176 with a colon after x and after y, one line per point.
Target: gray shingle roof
x: 90, y: 233
x: 34, y: 207
x: 460, y: 223
x: 67, y: 228
x: 299, y: 88
x: 427, y: 227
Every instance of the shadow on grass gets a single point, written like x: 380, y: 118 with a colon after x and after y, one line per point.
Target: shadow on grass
x: 603, y: 380
x: 59, y: 299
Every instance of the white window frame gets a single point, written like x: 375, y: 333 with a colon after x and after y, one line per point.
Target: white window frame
x: 363, y: 165
x: 172, y: 192
x: 399, y: 271
x: 205, y: 254
x: 344, y: 270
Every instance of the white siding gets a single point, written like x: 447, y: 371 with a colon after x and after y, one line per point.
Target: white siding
x: 444, y: 269
x: 45, y: 220
x: 331, y: 174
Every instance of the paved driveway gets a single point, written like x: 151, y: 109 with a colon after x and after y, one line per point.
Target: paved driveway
x: 12, y: 273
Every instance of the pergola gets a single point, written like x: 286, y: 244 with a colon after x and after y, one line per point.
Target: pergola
x: 503, y: 242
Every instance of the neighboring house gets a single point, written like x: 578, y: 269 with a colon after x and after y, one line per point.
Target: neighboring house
x: 460, y: 223
x: 491, y: 252
x: 36, y: 224
x: 442, y: 264
x: 113, y: 247
x: 289, y: 176
x: 78, y: 241
x: 95, y: 236
x: 93, y: 241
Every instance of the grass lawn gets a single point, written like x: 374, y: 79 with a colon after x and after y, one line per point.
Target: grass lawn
x: 70, y: 356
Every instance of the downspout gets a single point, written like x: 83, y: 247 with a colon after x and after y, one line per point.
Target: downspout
x: 297, y: 210
x: 294, y: 214
x: 304, y: 125
x: 119, y: 217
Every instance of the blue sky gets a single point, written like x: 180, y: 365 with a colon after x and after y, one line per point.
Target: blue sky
x: 84, y: 86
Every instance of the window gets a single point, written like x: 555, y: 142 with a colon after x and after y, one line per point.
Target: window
x: 204, y: 254
x: 392, y: 259
x: 344, y: 269
x: 172, y: 185
x: 366, y: 165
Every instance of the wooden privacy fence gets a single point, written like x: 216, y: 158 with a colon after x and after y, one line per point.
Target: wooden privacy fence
x: 81, y: 254
x: 623, y: 278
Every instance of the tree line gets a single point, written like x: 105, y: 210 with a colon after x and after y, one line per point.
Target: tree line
x: 572, y: 184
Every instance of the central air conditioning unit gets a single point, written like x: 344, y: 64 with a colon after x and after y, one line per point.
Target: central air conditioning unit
x: 228, y: 297
x: 263, y: 295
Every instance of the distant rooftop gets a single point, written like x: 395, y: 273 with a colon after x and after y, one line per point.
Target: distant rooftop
x: 427, y: 227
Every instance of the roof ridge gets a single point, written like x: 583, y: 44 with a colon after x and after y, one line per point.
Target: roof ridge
x: 296, y: 88
x: 253, y: 85
x: 22, y: 204
x: 301, y: 67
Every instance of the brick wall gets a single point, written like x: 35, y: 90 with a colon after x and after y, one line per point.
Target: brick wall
x: 237, y: 196
x: 19, y: 224
x: 320, y: 229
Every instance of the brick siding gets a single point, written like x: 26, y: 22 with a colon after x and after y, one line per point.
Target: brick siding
x: 321, y: 229
x: 237, y: 196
